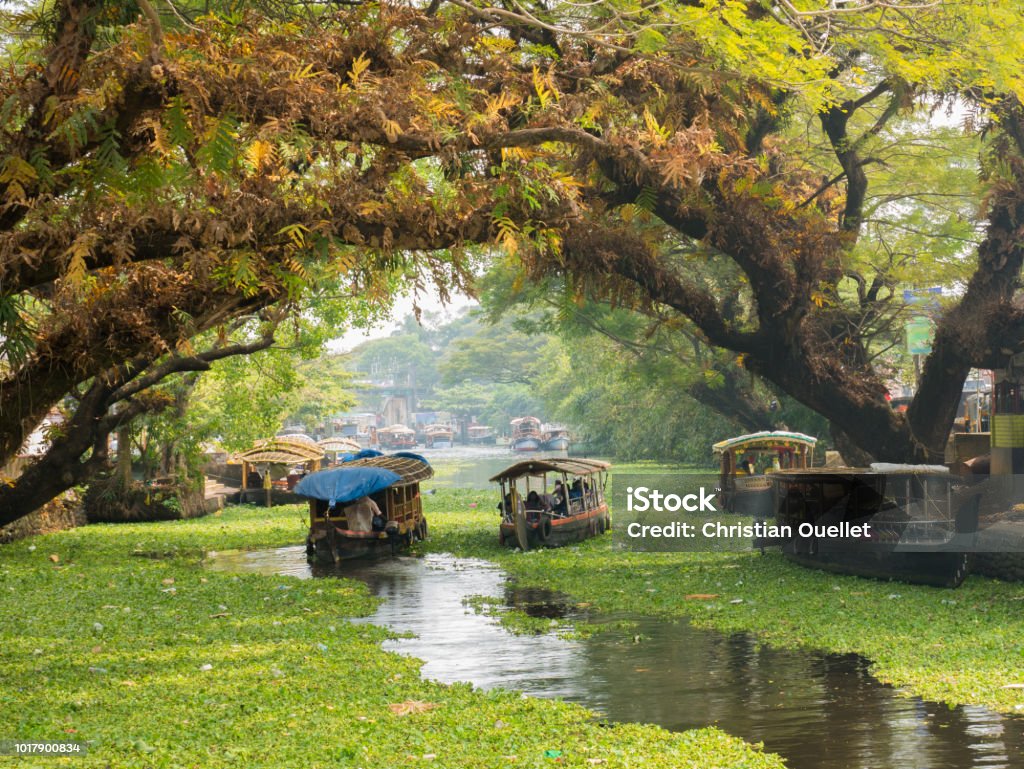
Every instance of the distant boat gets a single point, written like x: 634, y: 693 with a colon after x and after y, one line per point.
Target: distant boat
x: 396, y: 437
x: 481, y: 435
x: 526, y: 435
x: 438, y: 436
x: 555, y: 438
x: 337, y: 447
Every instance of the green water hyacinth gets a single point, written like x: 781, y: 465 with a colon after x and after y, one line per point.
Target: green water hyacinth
x: 125, y: 643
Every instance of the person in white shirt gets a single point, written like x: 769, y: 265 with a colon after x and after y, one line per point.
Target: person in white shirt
x: 360, y: 514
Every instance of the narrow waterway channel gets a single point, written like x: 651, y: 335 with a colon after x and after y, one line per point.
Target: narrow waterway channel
x: 819, y: 711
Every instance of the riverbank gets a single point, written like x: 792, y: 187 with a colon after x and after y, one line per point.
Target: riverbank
x: 963, y: 646
x: 114, y: 635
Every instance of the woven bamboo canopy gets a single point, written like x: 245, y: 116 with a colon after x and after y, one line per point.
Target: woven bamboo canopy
x: 341, y: 445
x: 411, y: 470
x: 282, y: 450
x: 397, y: 429
x: 538, y: 467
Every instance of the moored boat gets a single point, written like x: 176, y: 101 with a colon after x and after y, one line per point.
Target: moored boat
x: 747, y: 461
x: 555, y: 438
x: 396, y: 437
x: 920, y: 526
x: 526, y: 435
x: 272, y: 467
x: 338, y: 447
x: 438, y: 436
x: 342, y: 524
x: 548, y: 502
x: 480, y: 435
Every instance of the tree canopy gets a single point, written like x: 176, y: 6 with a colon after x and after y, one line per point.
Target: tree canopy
x: 165, y: 174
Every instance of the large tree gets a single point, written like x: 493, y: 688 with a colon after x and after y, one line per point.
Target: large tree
x: 160, y: 177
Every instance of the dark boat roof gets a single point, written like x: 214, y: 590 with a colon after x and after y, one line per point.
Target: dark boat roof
x: 411, y: 470
x: 822, y: 474
x: 551, y: 465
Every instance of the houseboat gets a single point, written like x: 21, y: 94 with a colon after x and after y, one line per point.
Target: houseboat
x: 555, y: 438
x: 915, y: 523
x: 747, y: 461
x: 526, y: 435
x: 396, y: 437
x: 552, y: 502
x: 342, y: 524
x: 480, y: 435
x: 438, y: 436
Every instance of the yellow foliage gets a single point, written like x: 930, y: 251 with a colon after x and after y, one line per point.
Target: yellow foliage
x: 503, y: 100
x: 359, y: 65
x: 77, y: 255
x: 261, y: 154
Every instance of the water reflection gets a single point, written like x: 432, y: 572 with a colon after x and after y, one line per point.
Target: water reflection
x: 472, y: 467
x: 819, y: 711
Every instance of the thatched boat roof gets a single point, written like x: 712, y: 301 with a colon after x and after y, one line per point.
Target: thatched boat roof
x: 283, y: 450
x: 339, y: 444
x: 766, y: 439
x: 539, y: 467
x: 411, y: 470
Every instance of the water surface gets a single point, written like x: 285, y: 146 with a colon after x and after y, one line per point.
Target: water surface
x: 819, y: 711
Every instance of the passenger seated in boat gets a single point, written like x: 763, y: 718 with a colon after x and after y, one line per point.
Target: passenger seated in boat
x: 559, y: 502
x: 505, y: 506
x: 576, y: 496
x: 360, y: 514
x: 534, y: 506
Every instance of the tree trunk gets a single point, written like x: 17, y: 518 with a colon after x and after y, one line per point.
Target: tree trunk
x: 853, y: 403
x: 57, y: 471
x: 962, y: 339
x: 124, y: 456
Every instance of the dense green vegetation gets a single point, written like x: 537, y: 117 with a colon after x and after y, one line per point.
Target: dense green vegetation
x: 118, y: 638
x: 955, y: 646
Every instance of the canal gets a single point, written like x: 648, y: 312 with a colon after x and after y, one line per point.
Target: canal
x: 819, y: 711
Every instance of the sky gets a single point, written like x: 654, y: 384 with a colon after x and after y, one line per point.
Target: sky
x: 429, y: 303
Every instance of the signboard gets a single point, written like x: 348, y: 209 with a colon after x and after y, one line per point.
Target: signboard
x: 919, y: 336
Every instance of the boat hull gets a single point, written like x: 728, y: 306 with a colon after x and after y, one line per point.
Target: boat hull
x: 563, y: 531
x: 935, y: 569
x: 325, y: 550
x: 557, y: 444
x: 931, y: 551
x: 756, y: 502
x: 525, y: 444
x: 398, y: 444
